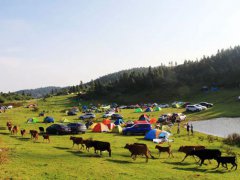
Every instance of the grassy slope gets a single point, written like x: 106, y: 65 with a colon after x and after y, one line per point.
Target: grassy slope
x: 57, y: 160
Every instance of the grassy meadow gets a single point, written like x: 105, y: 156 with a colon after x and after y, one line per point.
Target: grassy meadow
x: 57, y: 160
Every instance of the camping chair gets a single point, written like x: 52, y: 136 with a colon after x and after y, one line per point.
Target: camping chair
x: 41, y: 129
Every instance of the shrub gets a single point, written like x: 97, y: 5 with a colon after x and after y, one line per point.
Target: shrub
x: 210, y: 138
x: 232, y: 139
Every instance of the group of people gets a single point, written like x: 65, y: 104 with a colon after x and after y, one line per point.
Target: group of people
x: 189, y: 128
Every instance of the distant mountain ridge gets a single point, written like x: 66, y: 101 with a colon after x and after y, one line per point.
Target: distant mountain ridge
x: 39, y: 92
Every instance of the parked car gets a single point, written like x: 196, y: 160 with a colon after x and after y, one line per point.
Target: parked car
x: 200, y: 106
x: 193, y: 108
x: 58, y: 129
x: 77, y: 128
x: 87, y: 116
x: 206, y: 104
x: 116, y: 116
x: 108, y: 114
x: 72, y: 113
x: 163, y: 105
x: 137, y: 129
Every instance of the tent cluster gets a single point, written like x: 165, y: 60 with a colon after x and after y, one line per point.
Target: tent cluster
x: 107, y: 126
x: 149, y: 109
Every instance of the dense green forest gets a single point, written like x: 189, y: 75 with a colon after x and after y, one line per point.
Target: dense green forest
x: 221, y: 70
x: 6, y: 97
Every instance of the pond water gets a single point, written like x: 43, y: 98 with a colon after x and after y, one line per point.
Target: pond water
x: 218, y: 127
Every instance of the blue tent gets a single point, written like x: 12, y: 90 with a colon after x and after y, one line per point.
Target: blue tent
x: 148, y: 109
x: 152, y: 134
x: 48, y: 120
x: 118, y: 122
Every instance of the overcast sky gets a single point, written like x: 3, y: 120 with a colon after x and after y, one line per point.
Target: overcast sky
x: 61, y: 42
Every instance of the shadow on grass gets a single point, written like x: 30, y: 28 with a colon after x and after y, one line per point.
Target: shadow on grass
x: 3, y: 128
x: 119, y: 161
x: 197, y: 169
x: 5, y: 133
x: 61, y: 148
x: 83, y: 154
x: 178, y: 163
x: 23, y: 138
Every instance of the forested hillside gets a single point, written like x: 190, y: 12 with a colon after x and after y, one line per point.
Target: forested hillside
x: 221, y: 70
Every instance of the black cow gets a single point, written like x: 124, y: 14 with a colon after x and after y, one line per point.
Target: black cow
x: 204, y: 154
x: 224, y: 160
x: 101, y: 146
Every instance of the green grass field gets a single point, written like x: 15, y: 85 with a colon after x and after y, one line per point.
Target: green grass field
x: 57, y: 160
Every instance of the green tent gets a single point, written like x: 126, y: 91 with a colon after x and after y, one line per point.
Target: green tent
x: 32, y: 120
x: 117, y: 129
x: 64, y: 120
x: 138, y: 110
x: 157, y: 109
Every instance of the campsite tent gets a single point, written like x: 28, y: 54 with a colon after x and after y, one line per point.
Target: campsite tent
x: 92, y: 126
x: 149, y: 109
x: 152, y: 134
x: 110, y: 126
x: 100, y: 127
x: 164, y: 134
x: 143, y: 117
x: 64, y: 120
x: 32, y: 120
x: 157, y: 109
x: 104, y: 108
x: 153, y: 120
x: 48, y: 119
x: 106, y: 121
x: 138, y: 110
x: 117, y: 129
x: 141, y: 122
x: 118, y: 122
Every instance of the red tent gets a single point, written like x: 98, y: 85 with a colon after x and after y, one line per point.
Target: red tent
x: 110, y: 126
x: 100, y: 127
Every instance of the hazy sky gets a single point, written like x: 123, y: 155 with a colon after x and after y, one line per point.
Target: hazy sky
x: 60, y: 42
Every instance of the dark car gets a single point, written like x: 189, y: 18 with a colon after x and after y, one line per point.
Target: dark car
x: 116, y: 116
x: 137, y: 129
x: 206, y: 104
x: 72, y: 113
x: 58, y: 129
x: 77, y: 128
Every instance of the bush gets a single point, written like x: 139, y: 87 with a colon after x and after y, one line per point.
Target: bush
x: 232, y: 139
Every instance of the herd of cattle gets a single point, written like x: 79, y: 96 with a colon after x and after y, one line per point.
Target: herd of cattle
x: 140, y: 149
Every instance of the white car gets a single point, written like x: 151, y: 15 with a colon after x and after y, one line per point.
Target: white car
x: 193, y: 108
x: 163, y: 105
x: 200, y: 106
x: 108, y: 114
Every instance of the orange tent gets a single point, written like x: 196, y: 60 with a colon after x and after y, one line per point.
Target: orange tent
x: 106, y: 121
x: 153, y: 120
x: 100, y: 127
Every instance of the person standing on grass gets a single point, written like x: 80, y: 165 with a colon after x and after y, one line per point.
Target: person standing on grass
x: 192, y: 129
x: 178, y: 128
x: 188, y: 127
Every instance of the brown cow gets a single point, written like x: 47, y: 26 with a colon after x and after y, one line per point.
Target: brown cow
x: 138, y: 149
x: 88, y: 144
x: 33, y: 133
x: 9, y: 126
x: 35, y: 136
x: 164, y: 149
x: 14, y: 130
x: 23, y: 132
x: 46, y: 136
x: 187, y: 150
